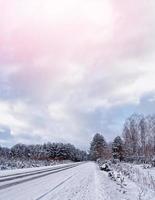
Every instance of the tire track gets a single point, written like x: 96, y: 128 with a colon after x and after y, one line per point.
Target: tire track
x: 26, y: 174
x: 42, y: 196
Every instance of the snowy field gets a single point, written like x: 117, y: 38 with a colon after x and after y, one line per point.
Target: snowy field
x: 78, y: 181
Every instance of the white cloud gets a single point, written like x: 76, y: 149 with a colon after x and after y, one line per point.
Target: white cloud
x: 8, y: 118
x: 57, y: 112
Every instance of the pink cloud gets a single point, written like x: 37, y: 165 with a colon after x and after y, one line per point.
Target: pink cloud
x: 30, y: 33
x: 44, y: 39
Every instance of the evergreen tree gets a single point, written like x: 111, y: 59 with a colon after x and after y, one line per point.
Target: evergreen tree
x: 98, y: 148
x: 117, y: 148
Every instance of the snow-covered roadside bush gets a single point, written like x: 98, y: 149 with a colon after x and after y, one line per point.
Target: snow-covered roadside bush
x: 114, y: 175
x: 118, y: 177
x: 136, y: 175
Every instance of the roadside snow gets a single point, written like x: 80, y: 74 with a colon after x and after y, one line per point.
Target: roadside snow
x: 142, y: 178
x: 10, y: 164
x: 32, y: 169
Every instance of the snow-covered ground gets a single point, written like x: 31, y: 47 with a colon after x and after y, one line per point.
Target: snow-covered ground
x: 82, y: 181
x: 138, y: 174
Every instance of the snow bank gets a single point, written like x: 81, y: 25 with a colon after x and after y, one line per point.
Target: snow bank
x: 6, y: 164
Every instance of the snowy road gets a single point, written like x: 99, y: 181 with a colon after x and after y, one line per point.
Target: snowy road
x: 66, y: 182
x: 7, y: 181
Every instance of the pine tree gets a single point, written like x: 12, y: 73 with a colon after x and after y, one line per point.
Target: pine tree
x: 117, y: 148
x: 98, y: 148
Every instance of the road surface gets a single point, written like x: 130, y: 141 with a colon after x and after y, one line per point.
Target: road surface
x: 79, y: 181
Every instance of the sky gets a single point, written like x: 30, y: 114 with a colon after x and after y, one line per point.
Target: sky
x: 71, y: 68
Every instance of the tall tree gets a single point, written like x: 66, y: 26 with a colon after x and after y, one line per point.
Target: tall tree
x: 131, y: 135
x: 143, y: 130
x: 98, y: 148
x: 117, y: 148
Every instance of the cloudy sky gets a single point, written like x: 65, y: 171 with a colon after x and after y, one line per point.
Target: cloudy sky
x: 71, y: 68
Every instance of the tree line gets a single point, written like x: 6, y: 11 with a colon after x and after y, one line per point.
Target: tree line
x: 48, y: 151
x: 137, y: 143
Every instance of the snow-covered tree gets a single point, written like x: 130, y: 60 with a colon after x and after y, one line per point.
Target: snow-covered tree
x: 143, y: 132
x: 98, y: 148
x: 117, y: 148
x: 20, y: 151
x: 139, y: 137
x: 131, y: 135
